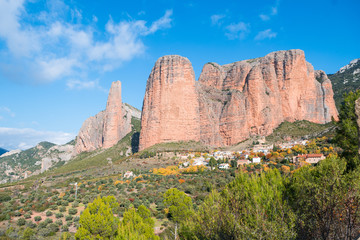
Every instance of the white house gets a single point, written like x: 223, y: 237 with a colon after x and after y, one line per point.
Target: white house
x: 224, y: 166
x: 256, y: 160
x: 129, y: 174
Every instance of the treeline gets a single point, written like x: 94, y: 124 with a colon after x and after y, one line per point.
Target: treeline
x: 315, y: 203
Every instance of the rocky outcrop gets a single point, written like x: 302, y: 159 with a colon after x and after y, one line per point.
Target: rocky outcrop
x: 107, y: 127
x: 237, y: 100
x: 171, y: 109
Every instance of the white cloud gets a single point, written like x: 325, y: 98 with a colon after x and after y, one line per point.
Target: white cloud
x: 7, y: 111
x: 58, y: 48
x: 163, y: 23
x: 273, y: 12
x: 75, y: 84
x: 268, y: 33
x: 237, y: 30
x: 24, y: 138
x: 264, y: 17
x: 216, y: 19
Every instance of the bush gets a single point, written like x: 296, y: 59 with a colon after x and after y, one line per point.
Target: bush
x: 37, y: 218
x: 27, y: 215
x: 64, y: 228
x: 31, y: 224
x: 49, y: 213
x: 53, y: 207
x: 75, y: 204
x: 28, y: 233
x: 59, y: 222
x: 43, y: 224
x: 72, y: 211
x: 45, y: 232
x: 62, y: 209
x: 48, y: 220
x: 17, y: 214
x: 53, y: 227
x: 21, y: 221
x: 69, y: 218
x: 4, y: 197
x: 76, y: 219
x: 59, y: 215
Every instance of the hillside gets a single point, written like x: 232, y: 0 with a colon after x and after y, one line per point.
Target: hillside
x: 300, y: 129
x: 20, y: 164
x: 345, y: 80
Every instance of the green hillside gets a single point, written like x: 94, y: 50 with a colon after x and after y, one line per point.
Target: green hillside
x: 300, y: 129
x: 345, y: 80
x: 26, y: 160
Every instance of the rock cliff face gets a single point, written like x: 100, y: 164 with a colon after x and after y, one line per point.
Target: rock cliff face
x: 107, y: 127
x: 171, y: 108
x: 235, y: 101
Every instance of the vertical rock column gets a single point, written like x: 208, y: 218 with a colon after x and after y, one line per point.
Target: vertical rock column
x: 113, y: 120
x: 171, y: 108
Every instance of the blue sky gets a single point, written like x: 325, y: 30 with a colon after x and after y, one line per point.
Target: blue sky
x: 58, y: 58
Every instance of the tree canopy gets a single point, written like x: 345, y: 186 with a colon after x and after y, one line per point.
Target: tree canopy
x: 347, y: 136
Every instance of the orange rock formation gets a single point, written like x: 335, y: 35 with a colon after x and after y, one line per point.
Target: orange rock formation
x: 232, y: 102
x: 106, y: 128
x: 171, y: 108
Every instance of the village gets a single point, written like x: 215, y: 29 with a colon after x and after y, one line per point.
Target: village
x: 294, y: 154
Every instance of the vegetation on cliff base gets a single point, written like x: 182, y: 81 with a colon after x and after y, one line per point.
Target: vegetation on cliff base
x: 298, y: 129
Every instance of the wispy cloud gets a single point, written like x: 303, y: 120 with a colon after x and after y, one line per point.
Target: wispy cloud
x: 75, y: 84
x: 24, y: 138
x: 237, y: 30
x: 272, y: 12
x: 266, y: 34
x: 59, y: 47
x: 216, y: 19
x: 7, y: 111
x: 264, y: 17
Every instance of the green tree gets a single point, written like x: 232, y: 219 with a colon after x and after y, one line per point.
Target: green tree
x: 28, y: 233
x: 347, y: 136
x: 180, y: 206
x: 250, y: 207
x: 97, y: 221
x: 137, y: 225
x: 212, y: 163
x: 326, y: 200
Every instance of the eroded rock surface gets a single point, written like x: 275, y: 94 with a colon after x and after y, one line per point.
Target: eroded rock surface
x: 232, y: 102
x: 108, y: 127
x: 171, y: 108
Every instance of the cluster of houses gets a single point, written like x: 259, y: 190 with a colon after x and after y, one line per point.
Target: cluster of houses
x: 242, y: 158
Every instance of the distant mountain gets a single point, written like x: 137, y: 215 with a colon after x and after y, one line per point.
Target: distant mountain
x: 19, y: 164
x: 345, y: 80
x: 2, y: 151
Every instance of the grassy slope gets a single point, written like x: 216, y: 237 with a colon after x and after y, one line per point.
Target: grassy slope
x: 178, y: 146
x: 300, y: 129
